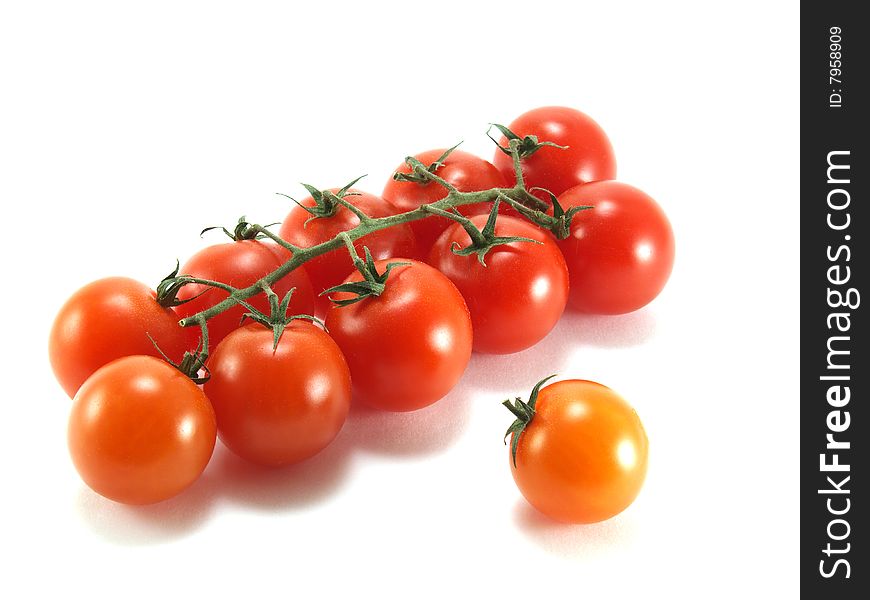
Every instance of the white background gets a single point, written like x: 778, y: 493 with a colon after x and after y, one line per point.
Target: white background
x: 124, y: 131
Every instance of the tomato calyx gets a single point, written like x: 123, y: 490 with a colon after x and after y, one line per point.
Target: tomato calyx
x: 168, y: 288
x: 277, y: 319
x: 524, y: 413
x: 326, y: 203
x: 421, y: 173
x: 526, y: 146
x: 373, y: 283
x: 243, y: 230
x: 193, y: 362
x: 482, y: 240
x: 559, y: 223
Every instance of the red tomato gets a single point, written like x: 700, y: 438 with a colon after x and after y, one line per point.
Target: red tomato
x: 330, y: 269
x: 108, y: 319
x: 517, y: 298
x: 465, y: 171
x: 240, y: 264
x: 583, y: 456
x: 619, y: 253
x: 409, y: 346
x: 140, y: 431
x: 278, y: 407
x: 588, y: 156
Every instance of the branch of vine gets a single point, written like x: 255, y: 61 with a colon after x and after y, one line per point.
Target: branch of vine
x: 517, y: 196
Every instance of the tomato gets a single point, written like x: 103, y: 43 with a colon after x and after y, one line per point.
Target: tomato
x: 409, y: 346
x: 619, y: 253
x: 330, y: 269
x: 583, y: 456
x: 588, y: 156
x: 240, y: 264
x: 107, y: 319
x: 140, y: 431
x: 278, y: 407
x: 465, y: 171
x: 517, y: 298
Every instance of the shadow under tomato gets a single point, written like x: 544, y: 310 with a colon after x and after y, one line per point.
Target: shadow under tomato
x: 574, y: 541
x: 429, y: 430
x: 283, y: 488
x: 607, y: 331
x: 520, y: 371
x: 150, y: 524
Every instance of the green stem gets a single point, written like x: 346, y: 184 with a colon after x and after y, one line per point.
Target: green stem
x: 473, y: 232
x: 275, y: 238
x: 516, y: 196
x: 302, y: 255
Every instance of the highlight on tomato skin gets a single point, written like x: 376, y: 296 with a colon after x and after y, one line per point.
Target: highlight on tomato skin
x: 140, y: 431
x: 582, y: 457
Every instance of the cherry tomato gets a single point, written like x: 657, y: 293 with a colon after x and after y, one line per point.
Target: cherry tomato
x: 409, y: 346
x: 619, y: 253
x: 465, y: 171
x: 140, y: 431
x: 517, y: 298
x: 330, y: 269
x: 588, y: 156
x: 278, y: 407
x: 240, y: 264
x: 107, y: 319
x: 583, y: 456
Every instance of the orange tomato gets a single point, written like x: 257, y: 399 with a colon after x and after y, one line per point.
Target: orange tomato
x: 140, y: 431
x: 582, y: 457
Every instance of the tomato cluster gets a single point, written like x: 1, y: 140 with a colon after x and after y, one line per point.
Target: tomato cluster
x: 389, y: 317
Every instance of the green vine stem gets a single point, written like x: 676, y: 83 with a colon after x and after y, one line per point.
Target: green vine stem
x: 517, y: 196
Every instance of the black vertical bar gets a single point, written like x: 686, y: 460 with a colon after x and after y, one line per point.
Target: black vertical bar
x: 835, y: 368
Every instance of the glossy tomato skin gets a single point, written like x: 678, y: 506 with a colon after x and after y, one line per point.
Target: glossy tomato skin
x: 240, y: 264
x: 583, y: 457
x: 409, y: 346
x: 276, y: 408
x: 108, y: 319
x: 465, y: 171
x: 330, y: 269
x: 140, y: 431
x: 517, y: 298
x: 588, y: 156
x: 620, y: 253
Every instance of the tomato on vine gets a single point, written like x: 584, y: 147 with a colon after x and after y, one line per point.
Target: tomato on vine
x: 620, y: 253
x: 585, y: 154
x: 408, y: 346
x: 320, y: 217
x: 578, y: 451
x: 518, y: 295
x: 278, y: 404
x: 140, y: 431
x: 108, y: 319
x: 463, y: 170
x: 239, y: 263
